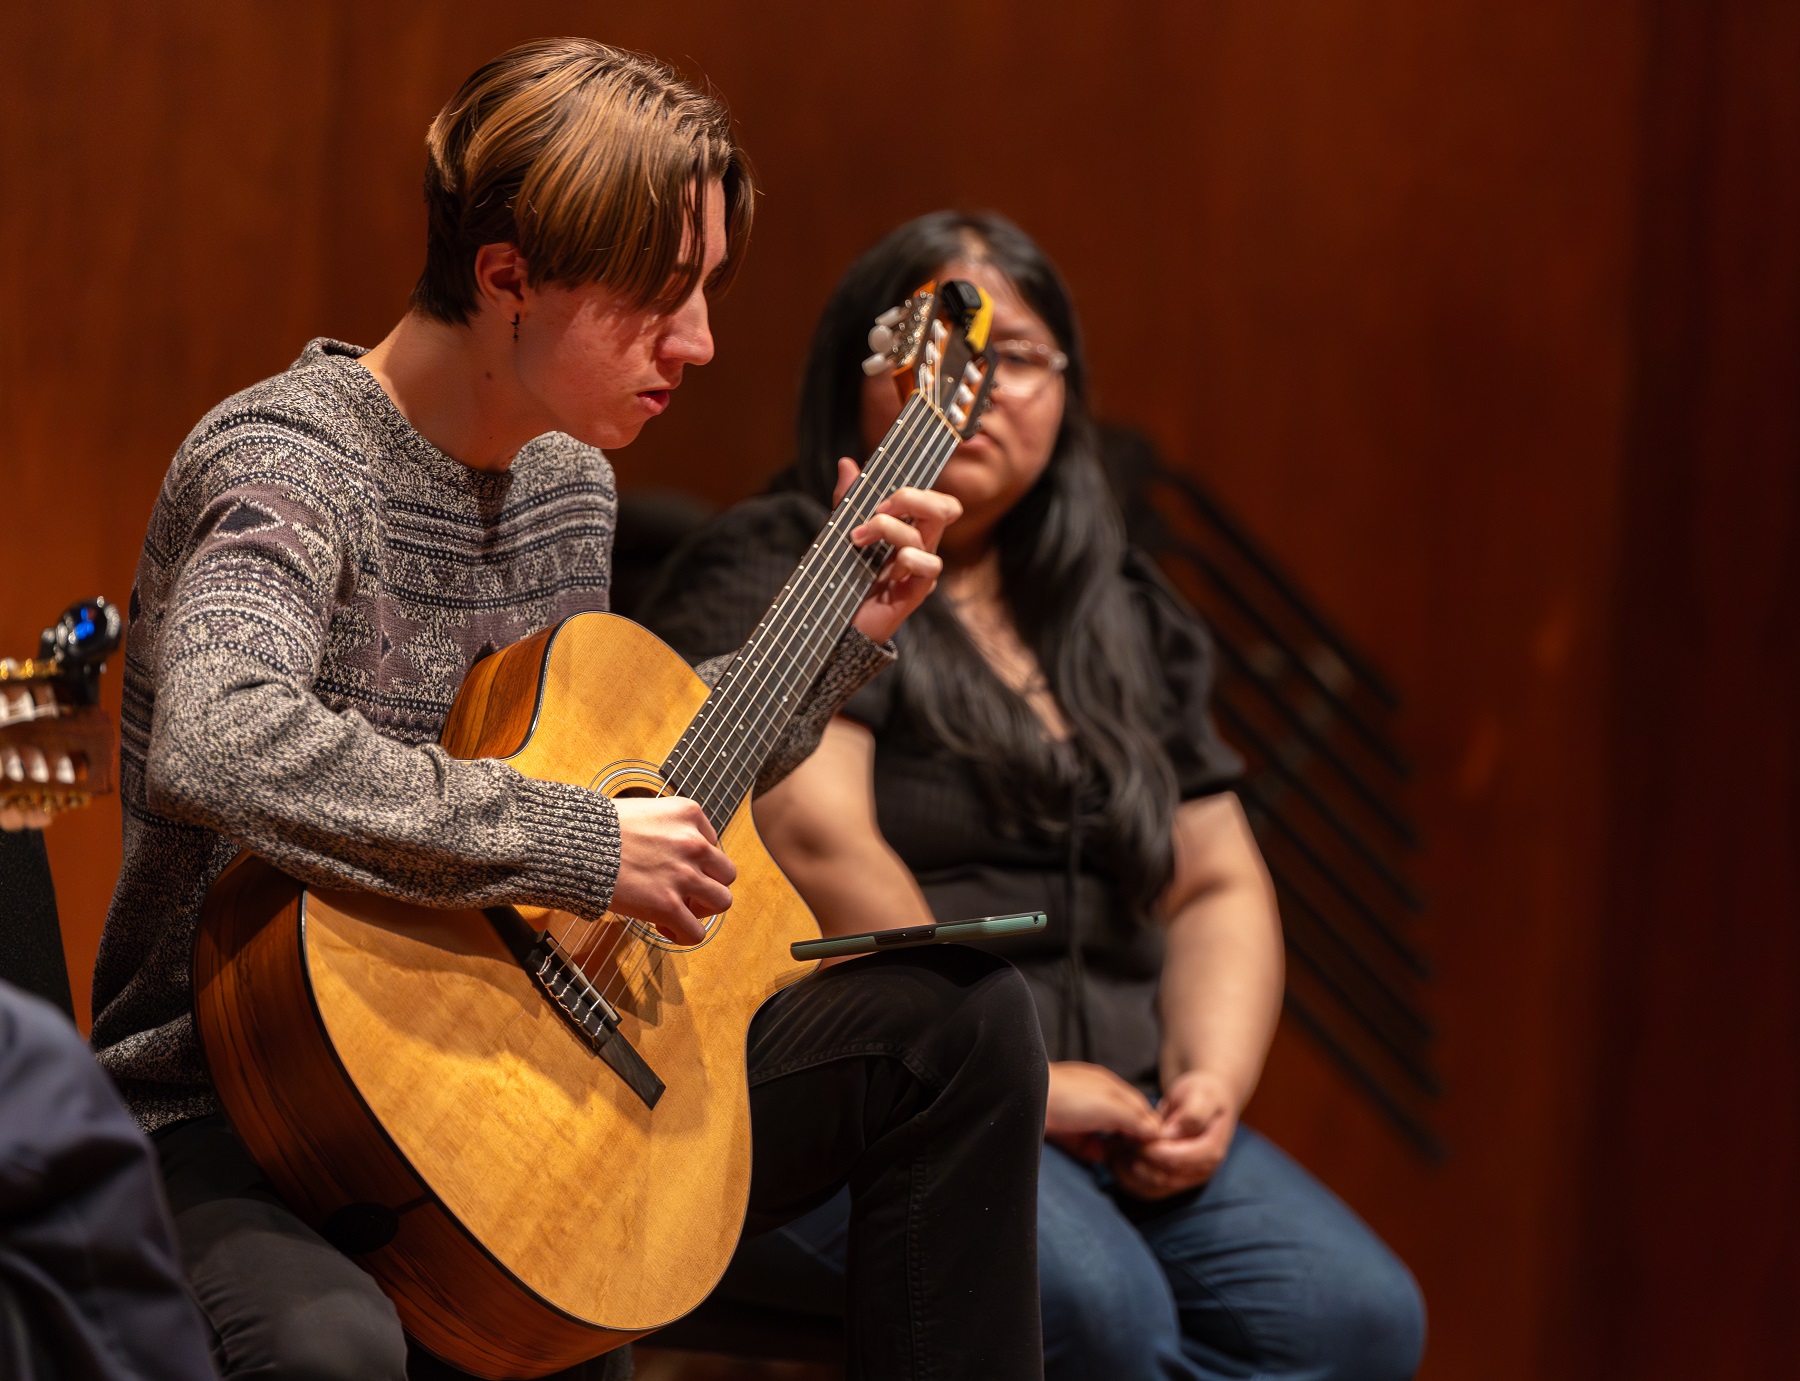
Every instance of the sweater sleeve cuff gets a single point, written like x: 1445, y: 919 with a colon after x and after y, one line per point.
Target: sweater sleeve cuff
x: 573, y: 847
x: 855, y: 661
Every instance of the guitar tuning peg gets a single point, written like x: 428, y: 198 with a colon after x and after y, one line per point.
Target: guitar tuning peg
x: 939, y: 334
x: 36, y: 767
x: 64, y: 770
x: 876, y: 364
x: 881, y: 338
x: 956, y: 415
x: 12, y: 765
x: 891, y: 317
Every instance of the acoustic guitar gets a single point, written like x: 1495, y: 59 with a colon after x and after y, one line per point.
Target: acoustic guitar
x: 56, y: 745
x: 533, y: 1130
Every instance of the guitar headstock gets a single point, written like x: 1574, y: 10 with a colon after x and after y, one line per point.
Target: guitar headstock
x: 936, y: 344
x: 56, y: 746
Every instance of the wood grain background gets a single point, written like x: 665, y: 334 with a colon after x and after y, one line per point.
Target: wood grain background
x: 1485, y: 315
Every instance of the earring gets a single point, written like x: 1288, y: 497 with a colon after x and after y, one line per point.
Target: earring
x: 515, y: 325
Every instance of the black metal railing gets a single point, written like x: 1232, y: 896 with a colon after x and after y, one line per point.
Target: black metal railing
x: 1324, y: 777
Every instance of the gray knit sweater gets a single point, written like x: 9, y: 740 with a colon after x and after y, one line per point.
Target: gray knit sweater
x: 316, y: 582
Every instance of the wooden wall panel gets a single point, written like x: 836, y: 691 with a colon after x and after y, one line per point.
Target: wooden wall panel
x: 1375, y: 271
x: 1690, y: 1265
x: 164, y: 178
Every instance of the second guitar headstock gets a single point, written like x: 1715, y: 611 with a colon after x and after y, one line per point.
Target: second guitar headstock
x: 56, y: 745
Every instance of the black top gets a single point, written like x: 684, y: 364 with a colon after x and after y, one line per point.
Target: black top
x: 930, y: 803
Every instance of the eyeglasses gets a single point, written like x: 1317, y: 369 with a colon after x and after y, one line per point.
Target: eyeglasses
x: 1025, y: 368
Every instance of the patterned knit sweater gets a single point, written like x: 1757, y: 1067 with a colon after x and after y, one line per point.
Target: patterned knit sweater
x: 316, y: 582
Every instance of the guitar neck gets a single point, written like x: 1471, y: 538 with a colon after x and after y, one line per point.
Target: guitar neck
x: 723, y: 749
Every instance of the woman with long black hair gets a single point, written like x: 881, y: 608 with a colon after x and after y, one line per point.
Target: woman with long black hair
x: 1045, y: 742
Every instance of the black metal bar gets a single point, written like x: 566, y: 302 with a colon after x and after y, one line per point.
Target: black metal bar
x: 1422, y: 1137
x: 1290, y: 891
x: 1401, y: 828
x: 1406, y: 1059
x: 1412, y: 959
x: 1266, y: 566
x: 1373, y: 738
x: 1377, y: 865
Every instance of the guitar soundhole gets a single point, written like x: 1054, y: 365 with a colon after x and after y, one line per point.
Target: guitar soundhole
x: 640, y: 780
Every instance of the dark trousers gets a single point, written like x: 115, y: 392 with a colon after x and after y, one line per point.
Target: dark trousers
x: 90, y: 1289
x: 915, y: 1080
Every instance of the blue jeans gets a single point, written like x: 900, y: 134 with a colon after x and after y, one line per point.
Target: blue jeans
x: 1262, y: 1273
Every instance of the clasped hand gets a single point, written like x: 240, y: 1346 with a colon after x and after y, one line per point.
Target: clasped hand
x: 672, y: 873
x: 1153, y: 1151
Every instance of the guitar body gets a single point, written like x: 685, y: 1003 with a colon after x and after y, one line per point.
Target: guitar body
x: 412, y: 1091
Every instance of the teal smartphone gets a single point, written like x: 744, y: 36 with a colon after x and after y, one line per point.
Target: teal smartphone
x: 946, y: 933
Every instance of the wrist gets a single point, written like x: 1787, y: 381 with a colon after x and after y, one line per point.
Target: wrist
x: 1234, y: 1093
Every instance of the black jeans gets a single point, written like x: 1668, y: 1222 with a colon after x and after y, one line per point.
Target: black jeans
x: 915, y: 1079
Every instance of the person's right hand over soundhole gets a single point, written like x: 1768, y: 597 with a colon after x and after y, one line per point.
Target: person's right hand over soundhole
x: 672, y: 873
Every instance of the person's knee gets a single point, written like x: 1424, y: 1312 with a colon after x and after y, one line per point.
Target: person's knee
x: 1391, y: 1324
x: 985, y: 1006
x: 1372, y: 1325
x: 989, y: 1029
x: 338, y: 1337
x: 1106, y: 1322
x: 282, y: 1303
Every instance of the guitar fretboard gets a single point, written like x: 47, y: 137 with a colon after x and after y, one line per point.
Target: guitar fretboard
x: 724, y: 747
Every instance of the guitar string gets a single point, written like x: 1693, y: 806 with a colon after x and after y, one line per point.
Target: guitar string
x: 736, y: 769
x: 917, y: 468
x: 723, y: 781
x: 833, y: 563
x: 832, y: 568
x: 727, y: 774
x: 752, y: 679
x: 832, y: 577
x: 819, y: 642
x: 829, y: 588
x: 719, y: 789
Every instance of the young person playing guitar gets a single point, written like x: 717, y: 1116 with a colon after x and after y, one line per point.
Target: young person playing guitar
x: 335, y: 547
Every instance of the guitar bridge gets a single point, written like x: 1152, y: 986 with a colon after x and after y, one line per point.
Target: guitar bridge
x: 595, y: 1019
x: 583, y: 1006
x: 574, y: 994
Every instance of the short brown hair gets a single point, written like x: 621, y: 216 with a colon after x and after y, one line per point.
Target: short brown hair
x: 593, y: 161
